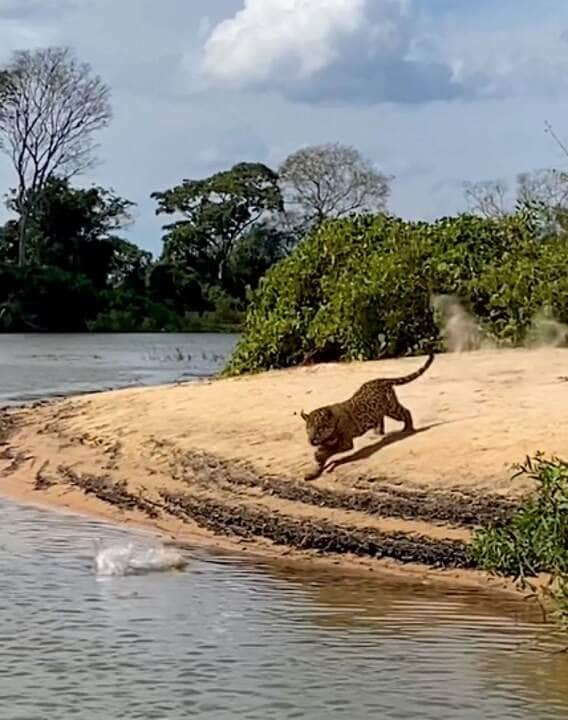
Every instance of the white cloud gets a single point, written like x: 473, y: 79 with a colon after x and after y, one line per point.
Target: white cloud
x: 369, y: 51
x: 330, y: 50
x: 272, y: 35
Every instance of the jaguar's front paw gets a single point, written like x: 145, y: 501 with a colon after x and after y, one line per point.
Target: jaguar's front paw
x: 314, y: 473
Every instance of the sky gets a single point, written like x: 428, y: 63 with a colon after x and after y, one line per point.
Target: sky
x: 433, y: 92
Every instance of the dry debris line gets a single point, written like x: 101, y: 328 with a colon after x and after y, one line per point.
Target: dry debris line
x: 325, y: 537
x: 17, y: 459
x: 251, y: 523
x: 114, y: 492
x: 43, y: 481
x: 449, y: 508
x: 455, y: 508
x: 7, y: 426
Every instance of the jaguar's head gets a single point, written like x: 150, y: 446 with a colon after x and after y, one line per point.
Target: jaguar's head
x: 321, y: 425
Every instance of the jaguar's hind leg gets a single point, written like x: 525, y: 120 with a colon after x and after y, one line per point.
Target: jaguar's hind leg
x: 400, y: 413
x: 380, y: 427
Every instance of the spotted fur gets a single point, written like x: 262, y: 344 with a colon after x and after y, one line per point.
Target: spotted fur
x: 331, y: 428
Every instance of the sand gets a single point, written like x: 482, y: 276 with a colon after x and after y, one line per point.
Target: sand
x: 222, y: 461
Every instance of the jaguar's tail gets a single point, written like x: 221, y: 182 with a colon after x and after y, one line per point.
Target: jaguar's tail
x: 414, y: 375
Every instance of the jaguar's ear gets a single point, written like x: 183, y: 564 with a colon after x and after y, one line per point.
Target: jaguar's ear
x: 304, y: 416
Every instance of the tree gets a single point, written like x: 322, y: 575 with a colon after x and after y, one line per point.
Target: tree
x: 9, y: 243
x: 332, y: 180
x: 260, y: 248
x: 75, y: 229
x: 176, y: 288
x: 487, y: 198
x: 50, y: 107
x: 4, y: 86
x: 130, y: 266
x: 216, y: 212
x: 544, y: 193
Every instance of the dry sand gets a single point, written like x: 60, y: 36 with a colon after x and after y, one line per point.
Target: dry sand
x: 222, y: 461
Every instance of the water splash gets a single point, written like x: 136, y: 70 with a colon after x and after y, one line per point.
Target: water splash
x: 135, y: 558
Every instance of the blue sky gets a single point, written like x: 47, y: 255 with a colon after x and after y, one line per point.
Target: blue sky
x: 434, y: 92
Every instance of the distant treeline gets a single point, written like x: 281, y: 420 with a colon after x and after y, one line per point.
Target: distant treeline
x: 350, y: 280
x: 64, y: 264
x: 80, y: 274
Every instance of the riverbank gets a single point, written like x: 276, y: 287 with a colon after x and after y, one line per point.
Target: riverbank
x: 221, y: 461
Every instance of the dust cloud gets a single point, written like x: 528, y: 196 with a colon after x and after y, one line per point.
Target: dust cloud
x: 462, y: 331
x: 545, y: 331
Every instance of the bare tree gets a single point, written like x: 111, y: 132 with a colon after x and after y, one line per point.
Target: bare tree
x: 548, y: 187
x: 543, y: 192
x: 4, y: 85
x: 549, y: 130
x: 487, y: 198
x: 332, y: 180
x: 50, y: 107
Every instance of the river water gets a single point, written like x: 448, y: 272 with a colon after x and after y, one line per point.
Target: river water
x: 227, y: 637
x: 39, y: 366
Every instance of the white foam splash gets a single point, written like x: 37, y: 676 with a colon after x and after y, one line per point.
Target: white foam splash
x: 135, y: 558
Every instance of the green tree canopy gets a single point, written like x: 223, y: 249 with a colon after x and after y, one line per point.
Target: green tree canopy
x: 362, y: 288
x: 216, y: 212
x: 75, y: 229
x: 261, y: 247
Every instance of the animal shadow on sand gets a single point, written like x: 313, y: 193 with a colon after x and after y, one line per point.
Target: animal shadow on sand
x: 369, y: 450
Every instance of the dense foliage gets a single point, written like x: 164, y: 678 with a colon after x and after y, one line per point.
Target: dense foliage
x: 362, y: 288
x: 215, y: 213
x: 63, y: 261
x: 81, y: 275
x: 535, y: 540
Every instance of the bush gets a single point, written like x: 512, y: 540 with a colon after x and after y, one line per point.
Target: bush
x: 535, y: 539
x: 361, y: 288
x: 226, y: 309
